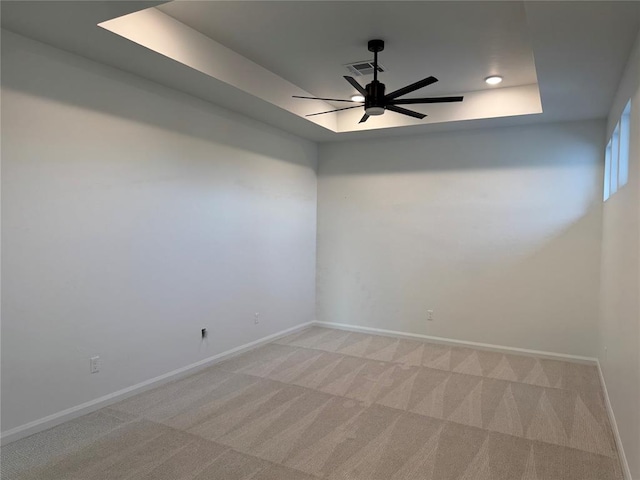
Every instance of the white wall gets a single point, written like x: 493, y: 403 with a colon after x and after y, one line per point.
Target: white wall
x: 620, y: 315
x: 497, y: 231
x: 133, y: 216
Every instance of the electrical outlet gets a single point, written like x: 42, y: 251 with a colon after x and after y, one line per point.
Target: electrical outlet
x: 94, y: 364
x: 430, y: 315
x: 256, y: 318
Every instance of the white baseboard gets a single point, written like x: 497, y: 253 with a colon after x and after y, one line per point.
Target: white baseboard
x: 450, y: 341
x: 79, y: 410
x: 626, y: 471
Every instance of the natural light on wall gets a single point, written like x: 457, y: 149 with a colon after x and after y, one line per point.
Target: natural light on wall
x: 616, y: 158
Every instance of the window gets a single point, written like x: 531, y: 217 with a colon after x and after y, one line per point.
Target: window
x: 607, y: 170
x: 616, y: 155
x: 623, y: 168
x: 615, y: 158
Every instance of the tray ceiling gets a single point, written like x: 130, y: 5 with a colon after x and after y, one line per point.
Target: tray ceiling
x: 274, y: 50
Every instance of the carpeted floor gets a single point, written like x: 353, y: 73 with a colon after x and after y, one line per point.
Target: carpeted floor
x: 332, y: 404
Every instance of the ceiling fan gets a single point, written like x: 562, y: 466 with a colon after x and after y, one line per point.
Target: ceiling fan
x: 376, y: 102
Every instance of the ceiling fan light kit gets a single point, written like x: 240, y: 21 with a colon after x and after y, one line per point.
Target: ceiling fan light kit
x: 375, y: 100
x: 374, y: 110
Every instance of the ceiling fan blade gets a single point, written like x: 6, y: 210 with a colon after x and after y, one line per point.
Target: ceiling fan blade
x: 411, y: 101
x: 404, y: 111
x: 327, y: 99
x: 364, y: 118
x: 336, y: 110
x: 355, y: 85
x: 410, y: 88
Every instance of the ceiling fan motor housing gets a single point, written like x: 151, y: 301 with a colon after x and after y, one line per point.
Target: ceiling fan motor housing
x: 374, y: 100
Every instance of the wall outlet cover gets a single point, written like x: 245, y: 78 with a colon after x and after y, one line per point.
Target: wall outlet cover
x: 94, y: 364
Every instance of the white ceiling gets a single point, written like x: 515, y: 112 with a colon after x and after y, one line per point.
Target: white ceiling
x: 460, y: 43
x: 580, y: 49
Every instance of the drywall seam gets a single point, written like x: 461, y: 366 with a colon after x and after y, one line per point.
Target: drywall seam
x: 79, y: 410
x: 452, y: 341
x: 626, y: 471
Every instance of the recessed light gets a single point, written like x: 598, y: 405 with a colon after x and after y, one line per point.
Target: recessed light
x: 493, y: 80
x: 357, y: 98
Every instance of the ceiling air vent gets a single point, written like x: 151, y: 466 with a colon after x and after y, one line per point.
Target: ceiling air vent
x: 365, y: 67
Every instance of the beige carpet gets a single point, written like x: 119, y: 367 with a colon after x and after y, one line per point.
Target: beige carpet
x: 332, y: 404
